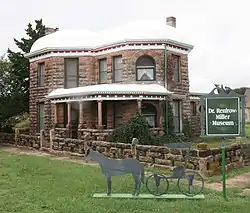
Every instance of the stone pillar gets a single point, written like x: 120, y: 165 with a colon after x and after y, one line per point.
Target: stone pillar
x: 139, y: 105
x: 99, y: 113
x: 55, y: 115
x: 80, y: 125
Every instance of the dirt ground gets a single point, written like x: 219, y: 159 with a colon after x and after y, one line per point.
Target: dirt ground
x: 239, y: 181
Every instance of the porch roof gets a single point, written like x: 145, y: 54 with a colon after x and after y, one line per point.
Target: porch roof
x: 106, y: 89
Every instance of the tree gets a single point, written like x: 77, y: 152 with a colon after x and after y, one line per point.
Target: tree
x: 19, y: 72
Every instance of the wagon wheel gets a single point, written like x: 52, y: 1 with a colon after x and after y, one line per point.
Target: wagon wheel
x: 191, y: 183
x: 157, y: 184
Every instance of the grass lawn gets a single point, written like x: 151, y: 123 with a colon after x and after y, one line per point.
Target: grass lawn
x: 30, y: 184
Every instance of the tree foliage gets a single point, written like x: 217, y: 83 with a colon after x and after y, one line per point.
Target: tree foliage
x: 19, y: 74
x: 14, y: 75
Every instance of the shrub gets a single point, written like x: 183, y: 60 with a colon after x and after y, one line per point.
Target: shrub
x: 21, y: 121
x: 136, y: 127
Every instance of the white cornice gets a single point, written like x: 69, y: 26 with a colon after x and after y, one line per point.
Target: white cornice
x: 78, y: 52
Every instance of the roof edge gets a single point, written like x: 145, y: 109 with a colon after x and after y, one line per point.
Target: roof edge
x: 125, y: 41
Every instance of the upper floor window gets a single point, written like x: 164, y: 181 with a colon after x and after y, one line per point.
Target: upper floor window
x: 71, y: 72
x: 117, y: 68
x: 103, y: 71
x: 176, y: 68
x: 40, y: 117
x: 177, y: 116
x: 193, y: 108
x: 40, y: 74
x: 149, y: 112
x: 145, y: 68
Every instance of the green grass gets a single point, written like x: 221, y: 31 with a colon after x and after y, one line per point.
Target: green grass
x: 248, y: 130
x: 232, y: 173
x: 30, y: 184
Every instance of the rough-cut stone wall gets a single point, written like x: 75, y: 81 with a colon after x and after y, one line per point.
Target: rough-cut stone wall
x: 20, y: 140
x: 206, y: 161
x: 88, y: 74
x: 195, y: 119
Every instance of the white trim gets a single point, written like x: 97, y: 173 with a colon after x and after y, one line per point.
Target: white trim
x: 115, y: 49
x: 108, y: 89
x: 194, y: 98
x: 107, y: 98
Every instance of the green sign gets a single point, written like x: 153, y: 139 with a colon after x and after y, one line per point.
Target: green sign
x: 222, y: 116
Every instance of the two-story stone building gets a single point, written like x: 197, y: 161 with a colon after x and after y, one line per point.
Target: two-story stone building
x: 82, y: 81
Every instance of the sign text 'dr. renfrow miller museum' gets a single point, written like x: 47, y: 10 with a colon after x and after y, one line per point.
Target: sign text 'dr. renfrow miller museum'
x: 222, y: 116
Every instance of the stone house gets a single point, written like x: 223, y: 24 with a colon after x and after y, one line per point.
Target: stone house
x: 85, y: 82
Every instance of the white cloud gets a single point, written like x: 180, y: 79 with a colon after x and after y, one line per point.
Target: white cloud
x: 219, y: 29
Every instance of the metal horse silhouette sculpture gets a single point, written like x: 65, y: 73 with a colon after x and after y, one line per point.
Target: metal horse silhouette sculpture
x: 114, y: 167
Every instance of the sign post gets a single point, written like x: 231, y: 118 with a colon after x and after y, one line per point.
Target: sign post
x: 223, y: 115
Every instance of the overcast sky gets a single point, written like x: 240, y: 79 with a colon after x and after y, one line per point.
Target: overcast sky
x: 219, y: 28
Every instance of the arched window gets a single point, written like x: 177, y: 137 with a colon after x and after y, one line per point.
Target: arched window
x: 145, y: 68
x: 149, y: 112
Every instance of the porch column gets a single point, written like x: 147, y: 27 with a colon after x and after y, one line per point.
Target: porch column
x: 80, y: 115
x: 160, y: 114
x: 69, y: 114
x: 139, y: 105
x: 99, y: 113
x: 55, y: 115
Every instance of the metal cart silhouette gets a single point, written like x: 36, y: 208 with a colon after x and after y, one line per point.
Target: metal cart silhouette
x: 189, y: 182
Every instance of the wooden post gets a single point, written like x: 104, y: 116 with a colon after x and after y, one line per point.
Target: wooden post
x: 55, y: 114
x: 80, y: 115
x: 69, y: 113
x: 139, y: 105
x: 69, y: 120
x: 99, y: 113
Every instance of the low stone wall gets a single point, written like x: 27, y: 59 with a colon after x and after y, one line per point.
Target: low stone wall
x: 206, y: 161
x: 96, y: 134
x: 20, y: 140
x: 7, y: 138
x: 61, y: 132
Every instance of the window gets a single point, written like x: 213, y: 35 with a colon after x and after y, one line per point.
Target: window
x: 193, y: 108
x: 117, y: 68
x: 40, y: 119
x: 61, y: 117
x: 176, y: 68
x: 145, y: 69
x: 71, y: 72
x: 40, y: 74
x: 148, y: 111
x: 103, y: 71
x: 177, y: 116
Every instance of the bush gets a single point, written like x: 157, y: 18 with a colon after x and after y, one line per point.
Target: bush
x: 21, y: 122
x: 137, y: 127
